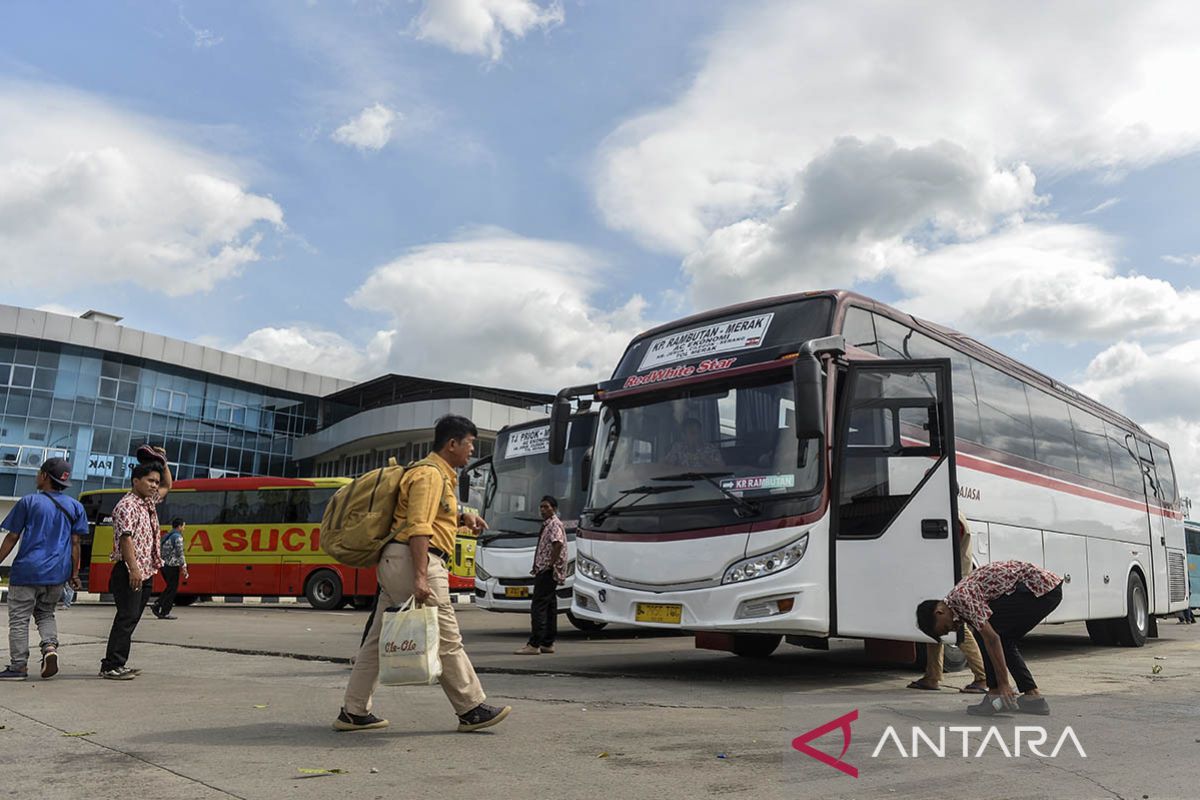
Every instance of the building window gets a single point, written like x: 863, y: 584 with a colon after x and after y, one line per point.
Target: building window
x: 232, y: 413
x: 118, y: 390
x: 168, y: 400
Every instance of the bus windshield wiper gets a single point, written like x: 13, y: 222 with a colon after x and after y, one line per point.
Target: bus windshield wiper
x: 742, y: 507
x: 642, y: 492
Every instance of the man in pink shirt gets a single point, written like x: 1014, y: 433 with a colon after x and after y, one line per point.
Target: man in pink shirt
x: 1001, y: 602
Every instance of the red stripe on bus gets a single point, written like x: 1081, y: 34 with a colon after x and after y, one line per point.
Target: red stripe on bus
x: 1034, y: 479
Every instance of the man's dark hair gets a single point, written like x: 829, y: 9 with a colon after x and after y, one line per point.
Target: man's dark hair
x: 553, y: 502
x: 926, y: 620
x: 142, y: 470
x: 177, y: 522
x: 451, y: 427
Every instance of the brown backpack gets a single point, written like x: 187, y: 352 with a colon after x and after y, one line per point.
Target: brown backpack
x: 358, y: 519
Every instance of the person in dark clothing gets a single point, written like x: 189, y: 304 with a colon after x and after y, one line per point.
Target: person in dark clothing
x: 174, y: 562
x: 549, y: 571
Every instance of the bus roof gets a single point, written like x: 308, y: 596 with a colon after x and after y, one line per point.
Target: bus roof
x: 959, y: 341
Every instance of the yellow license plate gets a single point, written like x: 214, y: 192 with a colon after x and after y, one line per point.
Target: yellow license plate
x: 665, y: 613
x: 516, y: 591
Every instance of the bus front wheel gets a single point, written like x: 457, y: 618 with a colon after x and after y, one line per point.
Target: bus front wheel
x: 324, y: 590
x: 755, y: 645
x: 184, y: 599
x: 585, y: 625
x: 1133, y: 629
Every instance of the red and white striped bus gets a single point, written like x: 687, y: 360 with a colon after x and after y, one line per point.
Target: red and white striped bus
x: 791, y: 467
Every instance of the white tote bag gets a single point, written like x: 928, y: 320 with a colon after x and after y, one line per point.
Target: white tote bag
x: 408, y: 646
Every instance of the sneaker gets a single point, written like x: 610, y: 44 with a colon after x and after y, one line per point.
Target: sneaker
x: 11, y: 674
x: 1033, y: 705
x: 357, y: 722
x: 547, y: 648
x: 167, y: 616
x: 482, y: 716
x: 50, y: 664
x: 527, y: 650
x: 118, y: 674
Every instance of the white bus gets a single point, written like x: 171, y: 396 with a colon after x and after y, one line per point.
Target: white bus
x: 520, y: 476
x: 791, y: 467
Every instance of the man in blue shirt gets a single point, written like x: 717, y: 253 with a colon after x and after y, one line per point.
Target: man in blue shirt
x: 48, y: 525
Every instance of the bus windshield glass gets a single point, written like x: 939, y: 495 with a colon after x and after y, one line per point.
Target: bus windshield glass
x: 522, y: 475
x: 732, y: 446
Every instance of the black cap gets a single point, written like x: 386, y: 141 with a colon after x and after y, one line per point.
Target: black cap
x: 148, y: 455
x: 59, y: 471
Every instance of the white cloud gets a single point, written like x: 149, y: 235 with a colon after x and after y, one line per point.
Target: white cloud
x: 1102, y: 206
x: 1185, y: 259
x: 480, y: 27
x: 370, y: 130
x: 1042, y: 279
x: 1158, y: 388
x: 854, y: 210
x: 1059, y: 86
x: 90, y: 194
x: 315, y: 350
x: 489, y: 308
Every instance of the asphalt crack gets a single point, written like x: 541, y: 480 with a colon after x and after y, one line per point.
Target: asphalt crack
x: 125, y: 753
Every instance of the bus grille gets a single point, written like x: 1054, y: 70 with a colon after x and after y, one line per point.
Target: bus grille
x: 1176, y: 576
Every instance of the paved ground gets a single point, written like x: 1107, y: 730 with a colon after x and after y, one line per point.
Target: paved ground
x: 236, y: 701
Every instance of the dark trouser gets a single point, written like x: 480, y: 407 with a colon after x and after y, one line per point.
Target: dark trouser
x: 166, y: 600
x: 543, y: 610
x: 1013, y: 616
x: 130, y: 604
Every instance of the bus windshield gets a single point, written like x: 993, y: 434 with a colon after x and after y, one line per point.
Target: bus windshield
x: 522, y: 475
x: 731, y: 446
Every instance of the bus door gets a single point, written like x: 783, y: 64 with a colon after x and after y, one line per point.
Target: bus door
x: 894, y: 499
x: 1155, y: 509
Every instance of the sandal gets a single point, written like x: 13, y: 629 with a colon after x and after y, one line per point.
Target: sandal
x: 917, y: 684
x: 975, y: 687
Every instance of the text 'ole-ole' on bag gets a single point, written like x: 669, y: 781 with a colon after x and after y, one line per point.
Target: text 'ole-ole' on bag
x: 408, y: 646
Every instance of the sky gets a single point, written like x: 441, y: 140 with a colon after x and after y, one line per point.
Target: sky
x: 506, y: 191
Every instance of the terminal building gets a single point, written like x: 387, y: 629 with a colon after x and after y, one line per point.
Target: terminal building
x: 92, y: 390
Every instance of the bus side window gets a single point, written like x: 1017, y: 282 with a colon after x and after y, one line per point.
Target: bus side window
x: 1166, y: 473
x: 859, y: 329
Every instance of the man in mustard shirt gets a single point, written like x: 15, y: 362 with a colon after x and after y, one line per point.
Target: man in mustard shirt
x: 414, y: 565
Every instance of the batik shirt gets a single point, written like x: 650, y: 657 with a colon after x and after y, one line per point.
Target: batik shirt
x: 138, y: 517
x: 969, y: 599
x: 552, y: 531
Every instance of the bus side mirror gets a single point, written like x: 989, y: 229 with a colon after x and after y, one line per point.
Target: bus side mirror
x: 464, y: 481
x: 560, y: 418
x: 810, y: 397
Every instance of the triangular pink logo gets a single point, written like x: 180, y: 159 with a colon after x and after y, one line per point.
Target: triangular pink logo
x: 801, y: 743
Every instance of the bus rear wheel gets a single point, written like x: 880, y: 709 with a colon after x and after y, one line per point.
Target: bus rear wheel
x: 1133, y: 629
x: 324, y: 590
x: 755, y: 645
x: 585, y: 625
x: 185, y: 599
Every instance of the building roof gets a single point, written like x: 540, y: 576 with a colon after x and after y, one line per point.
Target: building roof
x: 97, y: 330
x: 392, y: 389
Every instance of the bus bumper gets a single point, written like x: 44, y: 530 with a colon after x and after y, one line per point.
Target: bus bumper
x: 757, y: 606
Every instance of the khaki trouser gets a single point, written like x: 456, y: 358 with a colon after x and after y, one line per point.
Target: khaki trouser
x: 934, y: 652
x: 395, y: 575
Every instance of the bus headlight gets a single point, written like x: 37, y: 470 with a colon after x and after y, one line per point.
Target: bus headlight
x: 570, y: 569
x: 481, y: 573
x: 590, y: 569
x: 767, y: 563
